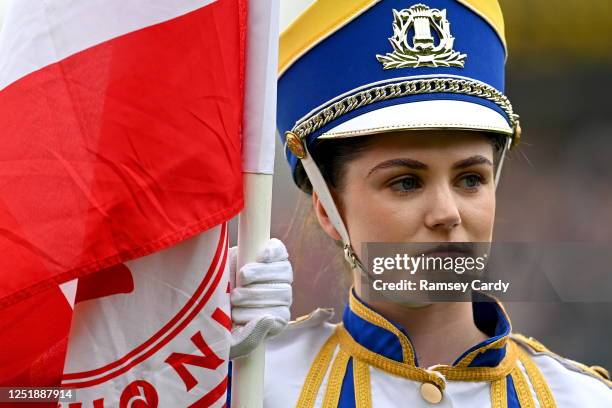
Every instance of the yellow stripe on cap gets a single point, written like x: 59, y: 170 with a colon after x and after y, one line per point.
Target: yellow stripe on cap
x: 491, y: 12
x: 316, y: 23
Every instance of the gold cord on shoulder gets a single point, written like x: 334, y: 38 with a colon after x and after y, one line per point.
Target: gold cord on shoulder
x: 317, y: 371
x: 456, y: 373
x: 336, y: 377
x: 363, y: 392
x: 497, y: 344
x: 391, y: 366
x: 536, y: 378
x: 600, y: 371
x: 594, y: 371
x: 521, y: 386
x: 499, y: 393
x: 531, y: 342
x: 371, y: 316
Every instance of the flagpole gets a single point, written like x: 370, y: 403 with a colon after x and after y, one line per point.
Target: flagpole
x: 258, y: 168
x: 253, y: 232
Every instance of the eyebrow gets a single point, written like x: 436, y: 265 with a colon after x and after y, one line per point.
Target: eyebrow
x: 409, y: 163
x: 472, y: 161
x: 417, y: 165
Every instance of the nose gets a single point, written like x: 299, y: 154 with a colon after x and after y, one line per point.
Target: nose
x: 443, y: 213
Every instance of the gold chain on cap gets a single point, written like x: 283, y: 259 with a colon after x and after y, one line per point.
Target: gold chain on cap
x: 397, y: 90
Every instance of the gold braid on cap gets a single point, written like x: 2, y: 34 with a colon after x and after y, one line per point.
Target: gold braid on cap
x: 397, y: 90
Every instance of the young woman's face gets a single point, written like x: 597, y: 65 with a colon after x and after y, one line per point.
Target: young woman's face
x: 420, y: 186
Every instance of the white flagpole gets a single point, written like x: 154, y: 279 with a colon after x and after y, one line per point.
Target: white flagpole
x: 253, y: 232
x: 258, y: 151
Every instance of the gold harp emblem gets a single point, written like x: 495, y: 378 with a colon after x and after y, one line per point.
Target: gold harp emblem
x: 431, y: 45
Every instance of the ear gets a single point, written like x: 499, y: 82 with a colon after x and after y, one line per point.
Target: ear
x: 323, y: 218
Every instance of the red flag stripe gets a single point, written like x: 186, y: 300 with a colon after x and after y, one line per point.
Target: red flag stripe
x: 222, y: 318
x: 107, y: 282
x: 121, y: 150
x: 213, y: 396
x: 33, y: 339
x: 42, y: 33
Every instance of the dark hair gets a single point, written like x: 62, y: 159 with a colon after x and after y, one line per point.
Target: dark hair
x: 332, y: 156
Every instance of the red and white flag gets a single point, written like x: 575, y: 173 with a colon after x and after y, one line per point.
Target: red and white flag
x: 120, y: 122
x: 154, y: 332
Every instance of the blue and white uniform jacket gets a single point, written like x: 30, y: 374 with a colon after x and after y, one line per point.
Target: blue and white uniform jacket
x: 367, y: 361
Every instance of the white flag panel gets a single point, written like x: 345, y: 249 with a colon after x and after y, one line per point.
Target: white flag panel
x: 39, y: 33
x: 160, y: 334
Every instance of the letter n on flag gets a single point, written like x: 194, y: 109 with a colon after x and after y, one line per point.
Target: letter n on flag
x: 120, y: 166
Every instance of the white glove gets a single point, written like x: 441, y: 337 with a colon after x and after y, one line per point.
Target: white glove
x: 260, y: 307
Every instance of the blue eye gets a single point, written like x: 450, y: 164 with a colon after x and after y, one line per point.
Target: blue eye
x: 406, y: 184
x: 471, y: 181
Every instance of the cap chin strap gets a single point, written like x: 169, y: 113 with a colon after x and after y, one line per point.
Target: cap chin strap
x: 325, y: 197
x: 501, y: 160
x: 320, y: 187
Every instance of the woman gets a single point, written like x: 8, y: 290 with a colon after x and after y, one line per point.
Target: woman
x: 398, y: 127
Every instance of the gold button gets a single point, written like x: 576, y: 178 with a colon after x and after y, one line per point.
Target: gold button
x: 431, y: 393
x: 516, y: 140
x: 295, y: 144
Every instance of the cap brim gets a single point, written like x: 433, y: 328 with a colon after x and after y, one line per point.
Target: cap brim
x: 438, y: 114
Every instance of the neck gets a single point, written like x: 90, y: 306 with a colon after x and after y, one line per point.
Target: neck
x: 439, y: 332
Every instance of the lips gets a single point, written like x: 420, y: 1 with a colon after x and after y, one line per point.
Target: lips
x: 450, y: 250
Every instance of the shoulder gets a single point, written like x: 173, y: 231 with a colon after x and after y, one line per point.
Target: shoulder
x: 290, y: 355
x: 571, y: 383
x: 305, y: 334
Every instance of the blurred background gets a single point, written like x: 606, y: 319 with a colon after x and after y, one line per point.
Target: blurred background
x: 556, y: 187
